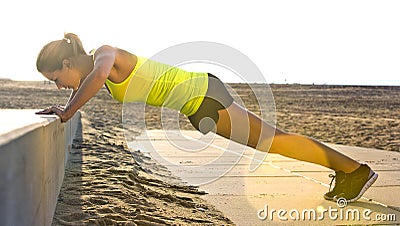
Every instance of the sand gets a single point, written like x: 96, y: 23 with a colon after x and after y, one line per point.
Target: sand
x: 108, y: 184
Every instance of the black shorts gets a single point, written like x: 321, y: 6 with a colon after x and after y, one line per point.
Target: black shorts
x: 217, y: 98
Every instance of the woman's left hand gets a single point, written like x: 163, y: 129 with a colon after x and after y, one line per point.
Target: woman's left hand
x: 58, y: 110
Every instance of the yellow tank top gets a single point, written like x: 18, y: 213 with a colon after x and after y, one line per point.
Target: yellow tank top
x: 159, y: 84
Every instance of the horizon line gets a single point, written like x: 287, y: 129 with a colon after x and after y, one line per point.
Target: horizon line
x: 269, y: 83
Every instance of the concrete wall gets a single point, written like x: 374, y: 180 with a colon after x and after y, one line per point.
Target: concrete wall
x: 33, y: 155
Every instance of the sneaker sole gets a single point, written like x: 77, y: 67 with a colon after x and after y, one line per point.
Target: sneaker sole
x: 371, y: 180
x: 329, y: 198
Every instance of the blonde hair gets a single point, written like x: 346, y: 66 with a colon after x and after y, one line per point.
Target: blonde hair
x: 52, y: 55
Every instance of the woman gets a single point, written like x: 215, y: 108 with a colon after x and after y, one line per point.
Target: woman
x: 200, y: 96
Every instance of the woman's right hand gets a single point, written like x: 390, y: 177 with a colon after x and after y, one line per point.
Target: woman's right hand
x: 50, y: 110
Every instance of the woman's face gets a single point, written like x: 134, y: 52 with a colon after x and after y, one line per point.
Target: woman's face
x: 67, y: 77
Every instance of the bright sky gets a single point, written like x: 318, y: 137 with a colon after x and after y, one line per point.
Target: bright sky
x: 332, y: 42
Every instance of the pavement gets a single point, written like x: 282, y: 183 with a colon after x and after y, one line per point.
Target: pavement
x: 281, y: 190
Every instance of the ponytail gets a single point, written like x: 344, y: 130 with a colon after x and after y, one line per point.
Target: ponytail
x: 51, y: 56
x: 76, y: 44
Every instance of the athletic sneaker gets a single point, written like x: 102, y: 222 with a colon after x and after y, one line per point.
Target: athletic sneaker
x: 339, y: 178
x: 357, y: 182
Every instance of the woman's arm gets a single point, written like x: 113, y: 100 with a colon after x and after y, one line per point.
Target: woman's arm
x: 73, y: 93
x: 104, y: 61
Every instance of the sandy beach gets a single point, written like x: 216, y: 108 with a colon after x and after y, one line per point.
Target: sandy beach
x: 108, y: 184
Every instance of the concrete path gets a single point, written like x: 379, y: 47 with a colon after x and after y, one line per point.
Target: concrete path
x: 281, y: 190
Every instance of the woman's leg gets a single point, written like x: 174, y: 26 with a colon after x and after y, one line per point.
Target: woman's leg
x: 242, y: 126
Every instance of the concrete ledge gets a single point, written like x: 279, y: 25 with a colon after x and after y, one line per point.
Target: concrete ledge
x: 33, y: 153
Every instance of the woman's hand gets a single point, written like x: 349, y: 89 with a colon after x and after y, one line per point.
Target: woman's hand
x: 58, y: 110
